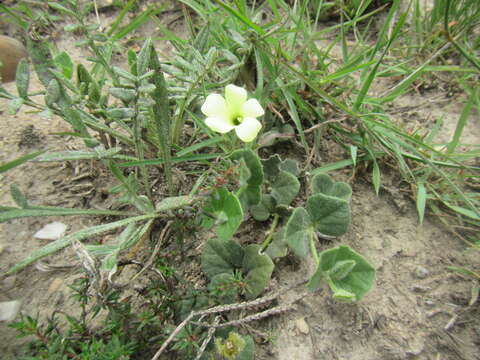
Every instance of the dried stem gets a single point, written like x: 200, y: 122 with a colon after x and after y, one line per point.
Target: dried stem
x: 232, y: 307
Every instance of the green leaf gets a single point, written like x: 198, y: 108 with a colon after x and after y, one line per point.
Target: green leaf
x: 298, y: 232
x: 123, y: 94
x: 174, y: 202
x: 290, y: 166
x: 285, y: 188
x: 251, y: 196
x: 18, y: 196
x: 223, y: 287
x: 47, y: 211
x: 376, y: 177
x: 271, y: 167
x: 19, y: 161
x: 41, y: 56
x: 77, y: 236
x: 341, y: 269
x: 323, y: 183
x: 421, y: 201
x: 262, y: 211
x: 14, y: 105
x: 143, y: 58
x: 348, y: 282
x: 353, y: 154
x: 23, y: 78
x: 54, y: 93
x: 62, y: 9
x: 120, y: 113
x: 248, y: 352
x: 64, y: 63
x: 220, y: 256
x: 228, y: 213
x: 278, y: 247
x: 252, y: 161
x: 329, y: 215
x: 258, y: 269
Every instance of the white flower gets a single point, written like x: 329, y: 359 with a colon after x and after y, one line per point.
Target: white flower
x: 233, y: 112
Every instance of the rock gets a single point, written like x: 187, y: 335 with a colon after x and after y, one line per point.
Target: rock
x: 9, y: 310
x: 11, y: 52
x: 55, y: 285
x: 302, y: 326
x: 52, y: 231
x: 421, y: 272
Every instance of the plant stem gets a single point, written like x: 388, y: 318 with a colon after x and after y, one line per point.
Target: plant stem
x: 452, y: 40
x: 269, y: 237
x: 313, y: 249
x: 137, y: 137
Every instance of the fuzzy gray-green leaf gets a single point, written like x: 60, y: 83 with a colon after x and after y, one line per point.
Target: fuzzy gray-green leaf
x: 220, y: 256
x: 258, y: 268
x: 285, y: 188
x: 298, y: 232
x: 23, y: 78
x: 329, y: 215
x: 347, y: 280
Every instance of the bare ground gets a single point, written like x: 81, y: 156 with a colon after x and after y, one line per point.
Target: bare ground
x: 417, y: 310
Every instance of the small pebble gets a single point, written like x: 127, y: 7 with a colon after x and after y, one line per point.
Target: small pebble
x: 421, y: 272
x: 52, y: 231
x: 55, y: 285
x: 9, y: 310
x: 302, y: 326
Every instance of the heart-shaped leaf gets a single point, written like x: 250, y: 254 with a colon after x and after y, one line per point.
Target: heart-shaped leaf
x: 285, y: 188
x: 262, y: 211
x: 227, y: 210
x: 323, y: 183
x: 258, y: 269
x: 329, y: 215
x: 290, y: 166
x: 220, y: 256
x: 252, y: 161
x: 248, y: 352
x: 223, y: 287
x: 299, y: 231
x: 271, y: 167
x: 348, y: 274
x: 278, y: 247
x: 251, y: 176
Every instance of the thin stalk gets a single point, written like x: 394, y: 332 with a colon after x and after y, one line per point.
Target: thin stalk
x: 137, y: 137
x: 269, y: 237
x: 452, y: 40
x: 179, y: 119
x: 313, y: 249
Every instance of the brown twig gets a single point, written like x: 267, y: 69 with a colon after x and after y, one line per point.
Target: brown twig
x: 332, y: 121
x: 158, y: 245
x: 225, y: 308
x: 207, y: 340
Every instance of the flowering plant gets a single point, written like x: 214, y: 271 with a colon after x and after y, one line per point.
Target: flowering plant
x: 233, y: 112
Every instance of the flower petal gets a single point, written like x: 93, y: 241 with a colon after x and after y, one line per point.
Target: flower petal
x: 235, y: 97
x: 219, y: 124
x: 248, y: 129
x: 252, y: 108
x: 214, y: 105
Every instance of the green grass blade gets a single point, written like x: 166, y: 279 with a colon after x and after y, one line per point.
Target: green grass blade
x: 461, y: 124
x: 176, y: 159
x: 77, y: 236
x: 43, y: 211
x: 241, y: 17
x: 200, y: 145
x: 19, y: 161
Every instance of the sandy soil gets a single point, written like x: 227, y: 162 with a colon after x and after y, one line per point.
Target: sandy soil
x: 417, y: 310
